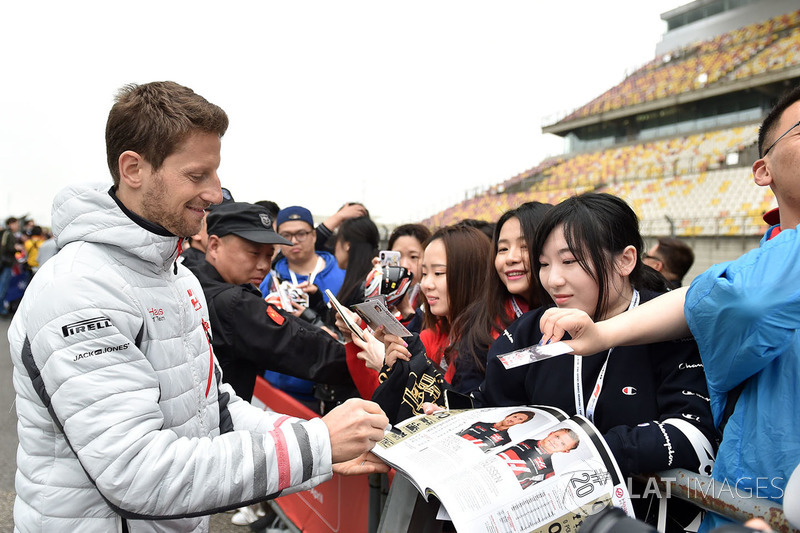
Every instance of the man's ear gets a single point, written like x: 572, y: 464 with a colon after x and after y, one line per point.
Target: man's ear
x: 212, y: 248
x: 626, y: 260
x: 761, y: 174
x: 131, y: 169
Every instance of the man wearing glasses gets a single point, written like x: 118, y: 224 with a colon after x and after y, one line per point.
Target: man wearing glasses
x: 302, y: 265
x: 311, y: 271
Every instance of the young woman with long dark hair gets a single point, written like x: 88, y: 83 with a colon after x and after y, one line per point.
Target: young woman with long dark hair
x: 649, y: 401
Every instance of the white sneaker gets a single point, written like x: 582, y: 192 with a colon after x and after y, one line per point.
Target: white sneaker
x: 247, y: 515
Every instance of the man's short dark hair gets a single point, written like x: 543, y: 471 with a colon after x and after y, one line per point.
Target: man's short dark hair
x: 154, y: 118
x: 678, y: 256
x: 271, y: 206
x: 484, y: 226
x: 11, y: 220
x: 768, y: 126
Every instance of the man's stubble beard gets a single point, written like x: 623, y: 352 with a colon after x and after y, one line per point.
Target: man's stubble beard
x: 155, y: 210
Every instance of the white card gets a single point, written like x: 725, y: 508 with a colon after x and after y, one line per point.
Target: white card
x: 531, y: 354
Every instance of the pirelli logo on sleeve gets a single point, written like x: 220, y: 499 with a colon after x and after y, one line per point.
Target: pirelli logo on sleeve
x: 90, y: 324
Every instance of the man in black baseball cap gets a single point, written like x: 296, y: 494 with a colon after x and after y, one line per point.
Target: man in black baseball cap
x: 249, y: 335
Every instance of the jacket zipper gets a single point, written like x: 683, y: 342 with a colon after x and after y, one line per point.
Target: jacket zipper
x: 180, y: 249
x: 206, y: 328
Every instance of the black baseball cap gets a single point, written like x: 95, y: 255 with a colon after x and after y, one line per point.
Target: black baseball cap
x: 248, y: 221
x: 227, y: 198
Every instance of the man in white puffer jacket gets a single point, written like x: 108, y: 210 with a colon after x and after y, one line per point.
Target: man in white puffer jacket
x: 125, y: 423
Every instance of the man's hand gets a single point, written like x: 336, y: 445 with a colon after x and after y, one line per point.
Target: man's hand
x: 366, y: 463
x: 354, y: 428
x: 346, y: 212
x: 307, y: 287
x: 758, y: 523
x: 587, y: 338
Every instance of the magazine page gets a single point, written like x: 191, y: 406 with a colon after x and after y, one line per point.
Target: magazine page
x: 508, y: 469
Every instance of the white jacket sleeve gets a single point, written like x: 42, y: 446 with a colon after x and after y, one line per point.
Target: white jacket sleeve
x: 138, y: 415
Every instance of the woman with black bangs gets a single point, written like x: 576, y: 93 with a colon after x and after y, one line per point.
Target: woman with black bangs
x: 356, y: 245
x: 510, y: 290
x: 650, y: 402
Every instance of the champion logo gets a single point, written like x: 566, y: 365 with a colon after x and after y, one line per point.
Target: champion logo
x: 629, y: 391
x: 508, y: 335
x: 691, y: 417
x: 195, y: 301
x: 691, y: 393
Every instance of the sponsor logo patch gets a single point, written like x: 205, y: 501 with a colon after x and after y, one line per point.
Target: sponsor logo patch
x: 629, y: 391
x: 156, y: 314
x: 195, y: 301
x: 107, y: 349
x: 91, y: 324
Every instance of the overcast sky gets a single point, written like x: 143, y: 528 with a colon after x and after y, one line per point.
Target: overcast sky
x: 400, y: 105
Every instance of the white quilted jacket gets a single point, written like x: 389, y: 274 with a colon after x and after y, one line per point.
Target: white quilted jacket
x: 123, y: 422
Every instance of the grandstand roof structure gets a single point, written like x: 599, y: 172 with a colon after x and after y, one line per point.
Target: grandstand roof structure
x: 677, y: 136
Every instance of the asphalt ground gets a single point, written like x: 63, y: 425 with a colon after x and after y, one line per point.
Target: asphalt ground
x: 220, y: 523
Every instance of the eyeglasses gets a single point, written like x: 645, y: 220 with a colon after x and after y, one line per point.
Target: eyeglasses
x: 653, y: 257
x: 779, y: 138
x: 300, y: 236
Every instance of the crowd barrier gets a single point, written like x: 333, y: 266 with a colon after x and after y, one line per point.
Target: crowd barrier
x: 338, y: 505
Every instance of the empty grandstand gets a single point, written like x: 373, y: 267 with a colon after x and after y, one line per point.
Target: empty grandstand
x: 677, y: 137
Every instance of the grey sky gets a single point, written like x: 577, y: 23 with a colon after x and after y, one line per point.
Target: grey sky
x: 401, y: 105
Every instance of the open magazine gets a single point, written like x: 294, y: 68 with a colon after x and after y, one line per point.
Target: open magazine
x: 503, y: 469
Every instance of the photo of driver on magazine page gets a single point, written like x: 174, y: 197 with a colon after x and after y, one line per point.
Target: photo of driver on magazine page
x: 532, y: 460
x: 488, y: 435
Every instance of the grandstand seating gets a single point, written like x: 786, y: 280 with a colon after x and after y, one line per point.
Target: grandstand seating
x: 681, y: 183
x: 684, y: 180
x: 749, y: 51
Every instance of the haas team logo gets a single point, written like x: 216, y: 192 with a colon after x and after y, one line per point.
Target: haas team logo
x: 195, y: 301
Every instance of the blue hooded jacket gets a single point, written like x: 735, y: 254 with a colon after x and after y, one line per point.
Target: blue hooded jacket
x: 330, y: 277
x: 745, y: 317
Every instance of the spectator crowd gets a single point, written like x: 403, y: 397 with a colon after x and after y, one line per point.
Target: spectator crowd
x: 198, y: 293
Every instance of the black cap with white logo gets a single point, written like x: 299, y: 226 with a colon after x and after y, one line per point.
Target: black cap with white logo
x: 248, y: 221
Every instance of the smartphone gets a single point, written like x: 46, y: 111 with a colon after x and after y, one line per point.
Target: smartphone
x: 456, y: 400
x: 389, y: 258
